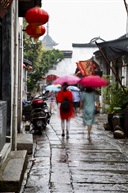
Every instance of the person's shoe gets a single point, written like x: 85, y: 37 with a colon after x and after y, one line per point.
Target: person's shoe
x: 67, y: 136
x: 63, y: 134
x: 89, y: 137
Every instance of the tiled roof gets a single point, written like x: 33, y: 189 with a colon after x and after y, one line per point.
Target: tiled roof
x: 48, y: 41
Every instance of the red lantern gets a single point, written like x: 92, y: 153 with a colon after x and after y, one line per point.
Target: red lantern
x: 51, y: 77
x: 32, y: 31
x: 43, y: 77
x: 24, y: 66
x: 30, y: 67
x: 36, y: 16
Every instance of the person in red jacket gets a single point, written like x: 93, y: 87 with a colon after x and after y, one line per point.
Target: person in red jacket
x: 65, y: 115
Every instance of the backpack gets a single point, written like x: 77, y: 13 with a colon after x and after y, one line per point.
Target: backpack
x: 65, y: 105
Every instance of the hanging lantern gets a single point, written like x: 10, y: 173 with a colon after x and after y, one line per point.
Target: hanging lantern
x: 51, y: 77
x: 24, y: 66
x: 36, y: 16
x: 43, y: 77
x: 30, y: 67
x: 31, y: 30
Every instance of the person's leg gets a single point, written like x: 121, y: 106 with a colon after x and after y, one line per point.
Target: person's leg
x: 63, y: 127
x: 78, y: 107
x: 89, y: 130
x: 52, y: 106
x: 67, y: 126
x: 75, y: 107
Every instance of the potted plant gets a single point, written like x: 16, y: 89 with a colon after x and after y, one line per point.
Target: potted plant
x: 115, y: 99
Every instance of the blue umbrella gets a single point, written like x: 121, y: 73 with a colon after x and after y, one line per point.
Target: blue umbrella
x: 53, y: 88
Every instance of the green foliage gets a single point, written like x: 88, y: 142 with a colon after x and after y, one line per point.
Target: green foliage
x: 42, y: 60
x: 50, y: 58
x: 114, y: 97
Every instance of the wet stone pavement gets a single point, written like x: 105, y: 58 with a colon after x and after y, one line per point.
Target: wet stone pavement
x: 75, y: 164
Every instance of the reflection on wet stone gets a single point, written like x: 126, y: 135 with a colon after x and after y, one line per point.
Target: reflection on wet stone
x: 76, y: 165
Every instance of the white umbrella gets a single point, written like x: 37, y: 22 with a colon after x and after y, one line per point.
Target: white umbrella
x: 73, y: 88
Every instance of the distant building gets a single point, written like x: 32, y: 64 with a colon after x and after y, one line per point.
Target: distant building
x: 68, y: 64
x: 65, y: 66
x: 47, y: 41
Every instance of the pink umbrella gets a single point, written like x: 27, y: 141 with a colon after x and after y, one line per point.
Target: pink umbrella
x: 70, y: 79
x: 93, y: 81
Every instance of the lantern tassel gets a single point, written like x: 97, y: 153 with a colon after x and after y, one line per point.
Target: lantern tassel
x: 35, y: 40
x: 38, y: 30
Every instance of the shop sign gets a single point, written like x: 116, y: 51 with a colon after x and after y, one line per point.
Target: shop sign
x: 4, y: 7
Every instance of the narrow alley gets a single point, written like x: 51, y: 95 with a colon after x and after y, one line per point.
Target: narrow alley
x: 75, y: 164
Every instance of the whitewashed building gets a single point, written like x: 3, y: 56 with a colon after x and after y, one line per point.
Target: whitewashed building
x: 68, y: 64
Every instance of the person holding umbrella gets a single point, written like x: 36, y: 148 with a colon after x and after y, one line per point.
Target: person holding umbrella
x: 76, y: 101
x: 88, y: 106
x: 66, y: 111
x: 76, y: 98
x: 89, y: 98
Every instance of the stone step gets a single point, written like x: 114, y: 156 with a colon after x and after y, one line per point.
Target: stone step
x: 12, y: 171
x: 25, y: 142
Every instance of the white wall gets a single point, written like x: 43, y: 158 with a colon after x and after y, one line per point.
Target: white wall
x: 68, y: 65
x: 82, y: 53
x: 65, y: 67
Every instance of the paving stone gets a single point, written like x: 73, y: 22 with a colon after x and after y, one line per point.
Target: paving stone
x: 77, y: 165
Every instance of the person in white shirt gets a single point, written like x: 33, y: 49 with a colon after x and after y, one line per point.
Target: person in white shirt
x: 76, y: 100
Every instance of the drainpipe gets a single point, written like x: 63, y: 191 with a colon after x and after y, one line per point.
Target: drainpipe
x: 20, y: 78
x: 15, y: 105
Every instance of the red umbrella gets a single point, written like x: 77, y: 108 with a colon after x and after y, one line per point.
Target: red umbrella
x: 93, y: 81
x: 70, y: 79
